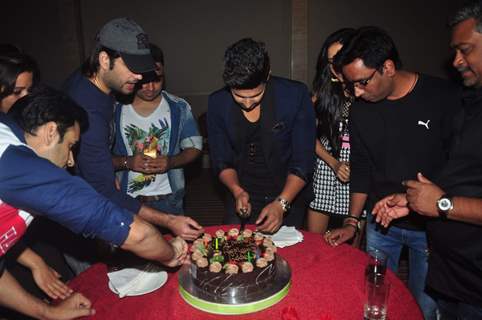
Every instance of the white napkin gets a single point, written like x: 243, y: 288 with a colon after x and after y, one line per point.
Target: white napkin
x: 286, y: 236
x: 132, y: 281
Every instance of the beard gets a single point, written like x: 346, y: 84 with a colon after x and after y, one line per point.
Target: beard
x: 472, y: 80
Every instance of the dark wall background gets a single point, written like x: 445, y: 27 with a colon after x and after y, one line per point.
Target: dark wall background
x: 417, y: 27
x: 194, y: 34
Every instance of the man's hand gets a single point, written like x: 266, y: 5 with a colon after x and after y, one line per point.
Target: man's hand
x: 342, y: 171
x: 391, y: 207
x: 180, y: 252
x: 185, y: 227
x: 47, y: 279
x: 270, y: 218
x: 243, y: 206
x: 341, y: 235
x: 422, y: 196
x: 138, y: 163
x: 161, y: 164
x: 73, y: 307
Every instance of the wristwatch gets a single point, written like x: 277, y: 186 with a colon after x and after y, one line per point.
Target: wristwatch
x: 285, y: 205
x: 444, y: 205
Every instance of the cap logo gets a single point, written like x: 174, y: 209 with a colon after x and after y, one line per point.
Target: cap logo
x: 142, y: 41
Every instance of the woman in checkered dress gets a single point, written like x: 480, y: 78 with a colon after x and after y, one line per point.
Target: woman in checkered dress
x: 332, y: 172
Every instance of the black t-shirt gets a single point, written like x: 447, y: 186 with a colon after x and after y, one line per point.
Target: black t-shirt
x: 455, y: 265
x: 392, y: 140
x: 256, y: 177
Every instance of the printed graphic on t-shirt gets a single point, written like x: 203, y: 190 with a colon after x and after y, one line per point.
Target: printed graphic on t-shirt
x: 153, y: 142
x: 12, y: 227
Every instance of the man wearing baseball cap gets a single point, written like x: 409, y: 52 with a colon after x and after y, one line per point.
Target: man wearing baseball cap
x: 120, y: 56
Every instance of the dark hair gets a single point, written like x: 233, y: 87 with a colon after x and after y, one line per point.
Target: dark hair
x: 91, y: 65
x: 44, y: 105
x: 11, y: 66
x: 469, y: 10
x: 373, y: 46
x: 329, y: 95
x: 246, y: 64
x: 157, y: 53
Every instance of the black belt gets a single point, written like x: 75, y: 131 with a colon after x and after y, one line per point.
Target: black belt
x: 152, y: 198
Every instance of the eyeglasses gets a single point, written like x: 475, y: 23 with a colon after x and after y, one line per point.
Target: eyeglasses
x: 362, y: 83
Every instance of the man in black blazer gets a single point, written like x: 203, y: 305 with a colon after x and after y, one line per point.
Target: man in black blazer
x: 262, y: 135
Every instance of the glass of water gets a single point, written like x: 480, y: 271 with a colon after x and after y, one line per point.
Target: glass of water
x: 376, y: 266
x: 376, y: 300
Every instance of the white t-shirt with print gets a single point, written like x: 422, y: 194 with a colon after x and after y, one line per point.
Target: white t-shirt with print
x: 146, y: 133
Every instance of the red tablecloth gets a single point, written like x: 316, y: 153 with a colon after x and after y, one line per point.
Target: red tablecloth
x: 327, y: 283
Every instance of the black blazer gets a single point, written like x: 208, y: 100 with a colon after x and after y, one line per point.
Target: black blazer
x: 288, y: 131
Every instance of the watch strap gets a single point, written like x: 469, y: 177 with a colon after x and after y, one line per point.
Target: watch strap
x: 444, y: 213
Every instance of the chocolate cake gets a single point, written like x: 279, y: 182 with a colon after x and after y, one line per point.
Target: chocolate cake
x: 226, y: 264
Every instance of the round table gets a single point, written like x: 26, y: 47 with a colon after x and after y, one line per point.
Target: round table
x: 327, y: 284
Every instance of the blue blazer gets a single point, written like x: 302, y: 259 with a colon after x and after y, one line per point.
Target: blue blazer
x: 288, y: 131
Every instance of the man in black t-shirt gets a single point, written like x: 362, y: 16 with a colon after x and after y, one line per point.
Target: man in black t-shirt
x: 261, y: 132
x: 401, y: 125
x: 454, y: 200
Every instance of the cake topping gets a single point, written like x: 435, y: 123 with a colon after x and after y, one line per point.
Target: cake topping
x: 247, y: 233
x: 231, y: 268
x: 258, y: 237
x: 197, y: 244
x: 261, y: 263
x: 269, y: 256
x: 215, y: 267
x: 247, y: 267
x: 196, y: 255
x: 237, y: 251
x: 202, y: 262
x: 267, y: 242
x: 233, y: 233
x: 219, y: 234
x: 270, y: 249
x: 207, y: 238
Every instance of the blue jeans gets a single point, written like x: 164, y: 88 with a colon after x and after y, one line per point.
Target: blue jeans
x: 391, y: 241
x: 450, y: 310
x: 168, y: 204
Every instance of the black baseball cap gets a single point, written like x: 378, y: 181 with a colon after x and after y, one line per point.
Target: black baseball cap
x: 126, y: 37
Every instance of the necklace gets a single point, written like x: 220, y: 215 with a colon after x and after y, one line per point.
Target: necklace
x: 99, y: 84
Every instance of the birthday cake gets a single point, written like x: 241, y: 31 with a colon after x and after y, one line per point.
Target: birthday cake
x: 234, y: 262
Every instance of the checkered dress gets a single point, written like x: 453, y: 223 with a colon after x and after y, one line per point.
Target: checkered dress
x: 331, y: 195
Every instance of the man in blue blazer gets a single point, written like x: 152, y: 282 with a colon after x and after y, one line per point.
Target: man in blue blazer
x: 261, y: 133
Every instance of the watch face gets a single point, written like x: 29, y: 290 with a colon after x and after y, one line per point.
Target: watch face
x: 444, y: 204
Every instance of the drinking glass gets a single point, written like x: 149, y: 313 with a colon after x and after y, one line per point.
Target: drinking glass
x: 377, y: 266
x: 375, y: 307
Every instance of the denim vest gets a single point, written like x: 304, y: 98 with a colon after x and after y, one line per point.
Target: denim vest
x: 184, y: 132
